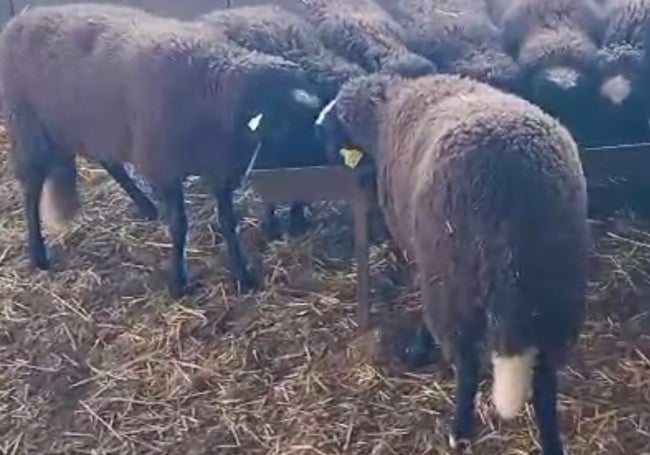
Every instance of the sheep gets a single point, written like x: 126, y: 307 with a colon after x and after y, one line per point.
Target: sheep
x: 362, y: 32
x: 555, y: 42
x: 121, y: 86
x: 623, y: 72
x: 459, y: 37
x: 274, y: 30
x: 486, y: 195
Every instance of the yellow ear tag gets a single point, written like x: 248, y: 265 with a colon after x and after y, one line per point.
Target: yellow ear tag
x: 351, y: 157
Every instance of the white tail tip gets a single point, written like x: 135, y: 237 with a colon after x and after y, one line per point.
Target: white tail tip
x: 55, y: 218
x: 512, y: 385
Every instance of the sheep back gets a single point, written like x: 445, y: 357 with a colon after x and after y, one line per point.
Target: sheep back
x: 124, y: 84
x: 487, y: 196
x: 275, y: 31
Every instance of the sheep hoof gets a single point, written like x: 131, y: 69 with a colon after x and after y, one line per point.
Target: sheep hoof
x: 272, y: 230
x: 298, y: 227
x: 179, y: 287
x: 148, y: 212
x: 246, y: 282
x: 39, y: 262
x: 460, y: 445
x: 420, y: 350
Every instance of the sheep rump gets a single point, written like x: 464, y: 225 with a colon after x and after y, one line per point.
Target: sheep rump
x: 486, y: 195
x: 119, y: 85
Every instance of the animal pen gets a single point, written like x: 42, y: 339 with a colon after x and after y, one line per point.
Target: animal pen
x: 97, y: 358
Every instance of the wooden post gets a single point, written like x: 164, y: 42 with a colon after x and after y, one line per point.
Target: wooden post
x: 360, y: 208
x: 326, y: 183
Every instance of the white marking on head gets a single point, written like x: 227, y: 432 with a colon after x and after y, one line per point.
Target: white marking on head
x: 254, y: 123
x: 616, y: 89
x: 326, y: 110
x: 306, y: 98
x: 565, y: 78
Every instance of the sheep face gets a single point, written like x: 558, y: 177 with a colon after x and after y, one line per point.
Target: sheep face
x: 286, y: 132
x: 623, y: 98
x: 349, y: 123
x: 278, y: 111
x: 559, y: 75
x: 621, y: 70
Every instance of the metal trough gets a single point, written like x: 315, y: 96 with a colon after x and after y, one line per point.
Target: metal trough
x: 325, y: 183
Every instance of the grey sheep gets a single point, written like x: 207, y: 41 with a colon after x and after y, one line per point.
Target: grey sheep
x: 363, y: 32
x: 459, y: 37
x: 555, y: 42
x: 276, y: 31
x: 121, y: 86
x: 486, y: 195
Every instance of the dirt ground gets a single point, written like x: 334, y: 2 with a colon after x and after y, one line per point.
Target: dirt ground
x: 95, y: 358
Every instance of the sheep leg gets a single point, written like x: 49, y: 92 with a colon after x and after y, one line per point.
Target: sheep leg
x: 173, y: 199
x: 467, y: 381
x: 545, y: 404
x: 271, y: 225
x: 298, y: 223
x: 33, y: 189
x: 238, y: 267
x: 145, y: 206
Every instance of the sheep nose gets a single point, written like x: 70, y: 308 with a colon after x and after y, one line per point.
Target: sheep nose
x: 563, y: 78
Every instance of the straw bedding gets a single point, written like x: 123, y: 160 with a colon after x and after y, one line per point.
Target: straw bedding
x: 95, y: 358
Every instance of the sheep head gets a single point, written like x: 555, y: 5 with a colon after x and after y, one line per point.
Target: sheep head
x: 621, y: 71
x: 559, y: 69
x: 624, y: 104
x: 278, y: 111
x: 348, y: 125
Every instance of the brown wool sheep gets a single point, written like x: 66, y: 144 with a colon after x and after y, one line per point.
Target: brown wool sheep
x: 122, y: 86
x: 486, y: 195
x: 363, y: 32
x: 555, y: 42
x: 459, y: 37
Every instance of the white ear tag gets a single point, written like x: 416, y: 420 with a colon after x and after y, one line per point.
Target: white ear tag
x: 254, y: 123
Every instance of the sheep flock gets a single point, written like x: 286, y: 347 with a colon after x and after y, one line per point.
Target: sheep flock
x: 152, y: 302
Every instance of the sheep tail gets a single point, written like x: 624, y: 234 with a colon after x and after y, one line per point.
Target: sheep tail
x: 59, y: 199
x: 513, y: 378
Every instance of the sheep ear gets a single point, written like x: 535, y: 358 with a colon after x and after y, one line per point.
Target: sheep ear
x: 326, y: 110
x: 306, y: 98
x: 254, y: 123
